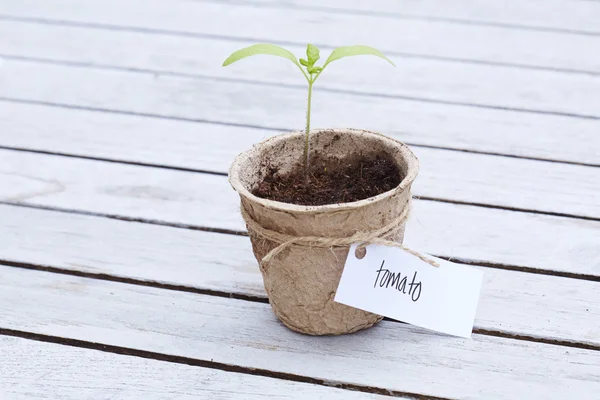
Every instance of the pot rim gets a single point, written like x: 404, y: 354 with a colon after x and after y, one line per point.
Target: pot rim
x: 238, y: 186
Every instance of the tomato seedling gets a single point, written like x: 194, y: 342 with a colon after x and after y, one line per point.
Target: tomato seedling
x: 308, y: 68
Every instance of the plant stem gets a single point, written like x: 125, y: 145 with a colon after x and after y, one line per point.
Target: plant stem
x: 307, y: 132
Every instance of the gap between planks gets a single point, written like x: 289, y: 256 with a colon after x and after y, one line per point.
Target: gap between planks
x: 420, y: 122
x: 498, y: 364
x: 460, y: 260
x: 209, y: 364
x: 126, y: 218
x: 230, y: 38
x: 393, y: 14
x: 466, y: 42
x: 233, y: 124
x: 109, y: 376
x: 218, y: 173
x: 155, y: 72
x: 258, y: 299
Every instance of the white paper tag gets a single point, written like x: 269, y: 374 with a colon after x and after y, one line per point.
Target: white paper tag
x: 394, y: 283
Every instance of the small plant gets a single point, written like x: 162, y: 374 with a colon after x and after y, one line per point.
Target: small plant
x: 312, y: 71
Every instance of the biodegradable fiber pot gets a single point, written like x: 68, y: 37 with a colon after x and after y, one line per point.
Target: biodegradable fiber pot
x: 301, y: 280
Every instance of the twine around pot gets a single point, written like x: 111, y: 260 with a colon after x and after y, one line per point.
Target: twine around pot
x: 362, y: 237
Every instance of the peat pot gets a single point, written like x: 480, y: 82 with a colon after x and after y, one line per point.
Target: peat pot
x: 301, y: 280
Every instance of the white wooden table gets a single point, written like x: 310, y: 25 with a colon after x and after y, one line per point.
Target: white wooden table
x: 125, y: 272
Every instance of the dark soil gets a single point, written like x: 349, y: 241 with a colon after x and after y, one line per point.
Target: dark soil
x: 332, y: 181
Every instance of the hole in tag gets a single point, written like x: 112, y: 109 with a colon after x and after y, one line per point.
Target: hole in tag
x: 360, y: 252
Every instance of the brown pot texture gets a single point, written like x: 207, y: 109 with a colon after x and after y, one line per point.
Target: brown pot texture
x: 301, y: 281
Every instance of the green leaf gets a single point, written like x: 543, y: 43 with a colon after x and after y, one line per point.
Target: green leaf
x: 357, y: 50
x: 304, y: 62
x: 269, y: 49
x: 312, y: 52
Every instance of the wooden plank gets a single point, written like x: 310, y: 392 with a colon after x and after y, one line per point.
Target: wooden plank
x: 541, y: 186
x: 566, y: 15
x: 413, y: 78
x: 247, y: 334
x: 32, y: 369
x: 459, y: 231
x: 511, y: 302
x: 421, y: 38
x: 496, y: 131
